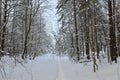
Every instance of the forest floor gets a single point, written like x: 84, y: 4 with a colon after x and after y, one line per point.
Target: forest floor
x: 51, y: 67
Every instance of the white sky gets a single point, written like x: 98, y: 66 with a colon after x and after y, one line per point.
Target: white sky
x: 51, y: 17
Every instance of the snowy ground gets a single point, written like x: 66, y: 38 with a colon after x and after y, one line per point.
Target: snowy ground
x: 55, y: 68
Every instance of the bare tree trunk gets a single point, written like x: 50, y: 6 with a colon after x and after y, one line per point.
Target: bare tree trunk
x: 95, y: 65
x: 4, y: 26
x: 87, y: 38
x: 0, y: 20
x: 24, y: 53
x: 76, y: 31
x: 115, y: 24
x: 96, y: 33
x: 29, y: 19
x: 118, y: 27
x: 113, y: 48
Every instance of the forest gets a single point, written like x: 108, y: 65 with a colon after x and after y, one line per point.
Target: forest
x: 22, y: 28
x: 88, y: 30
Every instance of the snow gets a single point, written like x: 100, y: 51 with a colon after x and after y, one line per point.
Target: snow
x: 51, y: 67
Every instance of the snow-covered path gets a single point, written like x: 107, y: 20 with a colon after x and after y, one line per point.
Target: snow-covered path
x: 61, y: 75
x: 55, y: 68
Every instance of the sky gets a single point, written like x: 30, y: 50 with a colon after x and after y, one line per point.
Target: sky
x: 51, y: 17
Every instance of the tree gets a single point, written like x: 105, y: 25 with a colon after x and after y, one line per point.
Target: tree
x: 76, y: 31
x: 113, y: 48
x: 0, y: 20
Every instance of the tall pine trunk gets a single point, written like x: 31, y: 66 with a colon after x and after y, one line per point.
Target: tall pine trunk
x: 0, y: 20
x: 87, y: 38
x: 113, y: 48
x: 76, y: 32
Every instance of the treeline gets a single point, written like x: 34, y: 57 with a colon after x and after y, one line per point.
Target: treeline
x: 22, y: 28
x: 89, y: 29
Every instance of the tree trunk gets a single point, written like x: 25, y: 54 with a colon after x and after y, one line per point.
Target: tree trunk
x: 76, y: 31
x: 24, y: 53
x: 87, y: 37
x: 95, y: 33
x: 0, y: 20
x: 113, y: 48
x: 4, y: 26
